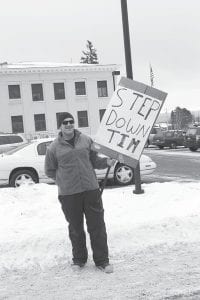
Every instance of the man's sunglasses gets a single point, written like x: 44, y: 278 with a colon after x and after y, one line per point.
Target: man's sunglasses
x: 68, y: 122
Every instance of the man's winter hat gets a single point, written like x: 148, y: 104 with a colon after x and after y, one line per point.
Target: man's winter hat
x: 64, y: 116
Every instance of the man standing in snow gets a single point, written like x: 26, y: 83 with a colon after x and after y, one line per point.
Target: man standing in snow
x: 70, y: 161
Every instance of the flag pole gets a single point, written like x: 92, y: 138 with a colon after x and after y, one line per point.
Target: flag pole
x: 151, y: 75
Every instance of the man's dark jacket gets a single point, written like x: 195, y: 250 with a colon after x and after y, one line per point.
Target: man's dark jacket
x: 72, y: 167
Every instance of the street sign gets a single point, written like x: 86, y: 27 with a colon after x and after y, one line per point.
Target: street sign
x: 128, y: 120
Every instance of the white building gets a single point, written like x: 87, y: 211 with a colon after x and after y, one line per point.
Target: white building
x: 33, y: 96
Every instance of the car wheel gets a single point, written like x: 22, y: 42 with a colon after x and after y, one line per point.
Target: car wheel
x: 160, y: 147
x: 173, y: 145
x: 123, y: 175
x: 24, y: 176
x: 193, y: 149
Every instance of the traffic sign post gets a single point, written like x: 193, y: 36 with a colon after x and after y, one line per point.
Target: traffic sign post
x: 129, y: 117
x: 129, y: 72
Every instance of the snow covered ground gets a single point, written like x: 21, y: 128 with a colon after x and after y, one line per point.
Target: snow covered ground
x: 154, y: 242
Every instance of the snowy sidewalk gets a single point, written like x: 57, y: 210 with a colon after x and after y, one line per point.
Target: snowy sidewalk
x: 154, y: 242
x: 155, y: 273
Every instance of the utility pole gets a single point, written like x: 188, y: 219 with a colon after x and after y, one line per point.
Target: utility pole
x: 129, y: 73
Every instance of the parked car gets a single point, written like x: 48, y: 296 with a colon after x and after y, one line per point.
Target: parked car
x: 9, y: 141
x: 154, y: 131
x: 25, y: 164
x: 169, y: 138
x: 192, y: 138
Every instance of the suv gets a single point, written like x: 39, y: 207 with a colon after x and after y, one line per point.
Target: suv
x: 170, y: 138
x: 9, y: 141
x: 192, y: 138
x: 154, y: 131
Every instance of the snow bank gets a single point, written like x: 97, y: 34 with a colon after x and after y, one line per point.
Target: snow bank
x: 33, y: 231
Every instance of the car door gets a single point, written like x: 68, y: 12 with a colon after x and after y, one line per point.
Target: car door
x: 180, y: 138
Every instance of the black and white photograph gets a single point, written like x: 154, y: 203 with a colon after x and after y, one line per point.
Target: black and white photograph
x: 99, y: 150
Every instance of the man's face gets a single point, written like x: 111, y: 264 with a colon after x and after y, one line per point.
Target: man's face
x: 67, y: 126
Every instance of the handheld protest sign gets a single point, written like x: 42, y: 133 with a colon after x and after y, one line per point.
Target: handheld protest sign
x: 128, y: 120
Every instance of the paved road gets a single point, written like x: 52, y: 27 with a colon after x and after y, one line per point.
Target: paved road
x: 174, y: 164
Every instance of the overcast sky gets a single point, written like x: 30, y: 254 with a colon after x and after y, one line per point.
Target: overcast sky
x: 163, y: 33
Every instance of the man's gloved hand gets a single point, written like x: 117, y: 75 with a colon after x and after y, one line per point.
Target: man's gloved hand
x: 111, y: 162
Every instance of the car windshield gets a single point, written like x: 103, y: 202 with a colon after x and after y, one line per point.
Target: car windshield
x: 169, y: 134
x: 192, y: 131
x: 16, y: 149
x: 153, y: 131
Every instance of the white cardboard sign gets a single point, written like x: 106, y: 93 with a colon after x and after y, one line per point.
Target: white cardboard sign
x: 128, y: 120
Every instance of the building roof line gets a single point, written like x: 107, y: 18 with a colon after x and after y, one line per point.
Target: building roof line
x: 54, y: 67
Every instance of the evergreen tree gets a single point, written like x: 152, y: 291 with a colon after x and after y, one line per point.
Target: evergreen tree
x: 90, y: 55
x: 181, y: 118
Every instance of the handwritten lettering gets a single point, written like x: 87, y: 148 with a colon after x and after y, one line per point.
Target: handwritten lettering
x: 119, y: 98
x: 124, y: 140
x: 112, y: 117
x: 113, y: 132
x: 128, y: 121
x: 133, y: 143
x: 130, y: 129
x: 142, y: 129
x: 128, y: 126
x: 138, y: 95
x: 155, y: 106
x: 144, y: 107
x: 121, y: 143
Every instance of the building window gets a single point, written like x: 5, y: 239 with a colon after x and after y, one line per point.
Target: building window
x: 82, y: 118
x: 17, y: 124
x: 14, y: 91
x: 101, y: 113
x: 40, y: 122
x: 37, y: 92
x: 102, y: 88
x: 59, y: 90
x: 80, y: 88
x: 59, y: 118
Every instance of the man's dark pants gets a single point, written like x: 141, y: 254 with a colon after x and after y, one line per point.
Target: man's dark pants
x: 88, y: 203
